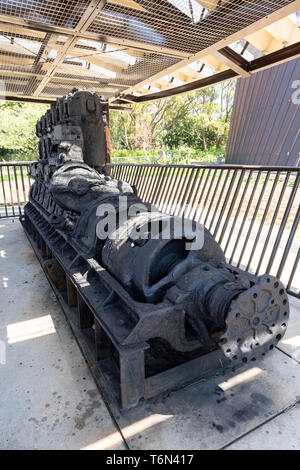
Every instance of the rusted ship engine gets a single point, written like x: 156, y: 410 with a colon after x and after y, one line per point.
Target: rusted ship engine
x: 150, y: 312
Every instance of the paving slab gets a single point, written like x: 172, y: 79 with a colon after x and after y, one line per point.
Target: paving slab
x: 214, y: 412
x: 48, y: 398
x: 281, y: 433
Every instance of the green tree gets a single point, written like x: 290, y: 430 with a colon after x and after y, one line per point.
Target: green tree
x: 17, y: 130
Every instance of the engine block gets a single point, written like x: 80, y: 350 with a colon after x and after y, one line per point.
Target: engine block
x: 160, y: 312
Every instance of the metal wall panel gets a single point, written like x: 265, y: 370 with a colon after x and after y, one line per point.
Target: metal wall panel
x: 266, y: 119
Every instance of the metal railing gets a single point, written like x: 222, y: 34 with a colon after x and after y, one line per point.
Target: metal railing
x: 253, y: 212
x: 14, y: 187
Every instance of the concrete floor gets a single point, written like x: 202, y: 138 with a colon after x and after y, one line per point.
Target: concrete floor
x: 48, y: 399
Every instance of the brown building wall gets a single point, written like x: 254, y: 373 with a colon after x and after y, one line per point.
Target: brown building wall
x: 266, y: 118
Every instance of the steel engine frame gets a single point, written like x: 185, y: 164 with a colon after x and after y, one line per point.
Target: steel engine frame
x: 157, y: 314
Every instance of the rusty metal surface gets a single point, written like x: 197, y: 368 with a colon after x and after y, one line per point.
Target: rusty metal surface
x: 152, y: 292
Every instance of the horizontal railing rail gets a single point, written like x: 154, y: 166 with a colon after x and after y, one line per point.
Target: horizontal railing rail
x: 14, y: 188
x: 252, y: 211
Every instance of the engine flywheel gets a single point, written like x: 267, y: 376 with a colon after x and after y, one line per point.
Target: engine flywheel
x: 256, y: 321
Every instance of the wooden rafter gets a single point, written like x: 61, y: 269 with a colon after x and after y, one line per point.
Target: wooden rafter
x: 285, y: 31
x: 93, y: 9
x: 232, y: 60
x: 44, y: 52
x: 127, y: 3
x: 120, y: 43
x: 275, y: 58
x: 80, y: 52
x: 264, y: 41
x: 212, y: 5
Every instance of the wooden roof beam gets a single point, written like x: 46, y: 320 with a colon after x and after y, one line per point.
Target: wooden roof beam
x: 275, y: 58
x: 285, y: 31
x: 87, y: 56
x: 128, y: 4
x: 264, y: 41
x: 256, y: 26
x: 212, y: 5
x: 233, y: 60
x: 214, y: 63
x: 140, y: 47
x: 93, y: 9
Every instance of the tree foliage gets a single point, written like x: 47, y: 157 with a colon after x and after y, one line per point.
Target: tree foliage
x: 197, y: 120
x: 17, y: 130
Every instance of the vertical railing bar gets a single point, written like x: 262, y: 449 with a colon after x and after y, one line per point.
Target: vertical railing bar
x: 17, y: 188
x: 145, y: 182
x: 238, y: 210
x: 272, y: 223
x: 191, y: 192
x: 11, y: 195
x: 182, y: 190
x: 181, y: 185
x: 164, y: 187
x: 147, y: 192
x: 254, y: 217
x: 116, y: 172
x: 28, y: 180
x: 245, y: 215
x: 233, y: 178
x: 127, y: 172
x: 294, y: 271
x: 219, y: 198
x: 207, y: 194
x: 219, y: 172
x: 23, y: 184
x: 118, y: 169
x: 132, y: 175
x: 159, y: 184
x: 130, y: 171
x: 264, y: 217
x: 136, y: 173
x: 136, y: 178
x: 171, y: 187
x: 141, y: 179
x: 194, y: 210
x: 155, y: 183
x: 175, y: 186
x: 186, y: 193
x: 4, y: 193
x: 122, y: 173
x: 288, y: 244
x: 283, y: 223
x: 231, y: 207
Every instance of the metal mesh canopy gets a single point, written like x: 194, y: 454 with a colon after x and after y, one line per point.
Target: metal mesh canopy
x: 128, y: 49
